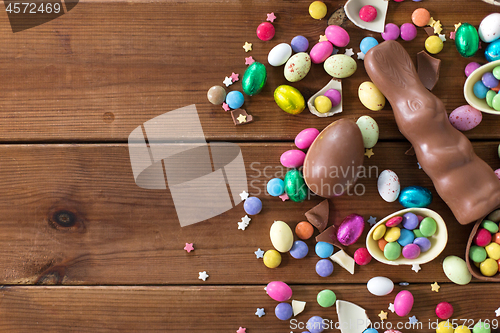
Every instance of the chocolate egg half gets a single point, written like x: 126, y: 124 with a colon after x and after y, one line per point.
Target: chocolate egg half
x: 334, y: 159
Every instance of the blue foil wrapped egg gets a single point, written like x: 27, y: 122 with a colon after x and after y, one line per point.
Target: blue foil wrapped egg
x: 415, y: 197
x: 492, y: 52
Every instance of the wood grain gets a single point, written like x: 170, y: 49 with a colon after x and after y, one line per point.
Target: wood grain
x: 106, y: 67
x: 123, y: 234
x: 218, y: 309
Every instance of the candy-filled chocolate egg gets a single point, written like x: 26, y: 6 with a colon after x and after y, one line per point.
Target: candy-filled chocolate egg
x: 334, y: 159
x: 350, y: 229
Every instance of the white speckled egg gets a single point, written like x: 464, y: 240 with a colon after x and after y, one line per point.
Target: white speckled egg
x: 281, y: 236
x: 388, y: 185
x: 279, y: 54
x: 465, y: 118
x: 456, y: 270
x: 380, y: 286
x: 297, y: 67
x: 340, y: 66
x: 489, y: 29
x: 370, y: 96
x: 369, y: 130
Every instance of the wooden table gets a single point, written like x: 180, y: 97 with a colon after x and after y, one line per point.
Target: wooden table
x: 84, y: 249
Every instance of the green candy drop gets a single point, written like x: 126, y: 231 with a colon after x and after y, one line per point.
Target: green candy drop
x: 392, y: 251
x: 295, y: 187
x: 477, y: 253
x: 254, y: 79
x: 481, y: 327
x: 326, y: 298
x: 467, y: 40
x: 489, y: 97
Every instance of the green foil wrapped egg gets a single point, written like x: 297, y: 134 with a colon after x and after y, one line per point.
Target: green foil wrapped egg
x: 295, y: 187
x: 467, y: 40
x: 254, y: 79
x: 289, y: 99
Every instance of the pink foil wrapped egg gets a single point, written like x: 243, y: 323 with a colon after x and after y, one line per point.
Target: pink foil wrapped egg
x: 350, y: 229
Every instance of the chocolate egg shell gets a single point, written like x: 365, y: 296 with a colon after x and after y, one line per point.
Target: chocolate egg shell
x: 350, y: 229
x: 334, y: 159
x: 254, y: 79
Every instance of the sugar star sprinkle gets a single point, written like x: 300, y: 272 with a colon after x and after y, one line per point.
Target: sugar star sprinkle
x: 419, y: 166
x: 241, y: 330
x: 382, y: 315
x: 260, y: 312
x: 372, y: 220
x: 259, y: 254
x: 242, y: 225
x: 431, y: 22
x: 246, y: 219
x: 457, y: 26
x: 203, y: 275
x: 227, y: 81
x: 234, y: 77
x: 497, y: 312
x: 369, y: 152
x: 225, y: 106
x: 391, y: 307
x: 442, y: 37
x: 349, y: 52
x: 361, y: 55
x: 413, y: 320
x: 271, y: 17
x: 322, y: 38
x: 284, y: 197
x: 415, y: 268
x: 189, y: 247
x: 437, y: 27
x: 335, y: 51
x: 244, y: 195
x: 247, y: 46
x: 249, y: 60
x: 241, y: 118
x: 435, y: 287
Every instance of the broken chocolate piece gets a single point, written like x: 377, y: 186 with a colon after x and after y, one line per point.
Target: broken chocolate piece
x: 428, y: 69
x: 338, y: 17
x: 318, y: 215
x: 241, y: 117
x: 410, y: 151
x: 330, y: 236
x: 429, y: 30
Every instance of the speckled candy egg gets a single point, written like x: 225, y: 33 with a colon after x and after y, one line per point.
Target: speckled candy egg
x: 340, y: 66
x: 370, y: 96
x: 305, y: 138
x: 297, y: 67
x: 281, y: 236
x: 465, y: 117
x: 350, y: 229
x: 279, y: 291
x: 403, y: 303
x: 388, y: 185
x: 456, y: 270
x: 380, y: 286
x: 279, y: 54
x: 369, y: 130
x: 293, y: 158
x: 489, y: 29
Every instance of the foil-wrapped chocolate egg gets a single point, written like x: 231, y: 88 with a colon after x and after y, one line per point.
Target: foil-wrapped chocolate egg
x: 350, y: 229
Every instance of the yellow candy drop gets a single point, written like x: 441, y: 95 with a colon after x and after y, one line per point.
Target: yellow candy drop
x: 489, y: 267
x: 317, y: 10
x: 323, y: 104
x: 462, y: 329
x: 493, y: 250
x: 392, y: 234
x: 433, y: 44
x: 445, y: 327
x: 379, y: 232
x: 272, y: 258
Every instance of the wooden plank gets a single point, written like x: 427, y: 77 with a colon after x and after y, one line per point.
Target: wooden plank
x: 123, y: 234
x: 105, y: 68
x: 220, y: 309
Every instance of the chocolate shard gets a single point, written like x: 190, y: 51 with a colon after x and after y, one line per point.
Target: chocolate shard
x: 429, y: 30
x: 338, y: 17
x: 330, y: 236
x: 428, y: 69
x: 241, y: 117
x: 410, y: 151
x: 318, y: 215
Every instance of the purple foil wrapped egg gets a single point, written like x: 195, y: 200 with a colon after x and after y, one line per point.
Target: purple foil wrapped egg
x: 350, y: 229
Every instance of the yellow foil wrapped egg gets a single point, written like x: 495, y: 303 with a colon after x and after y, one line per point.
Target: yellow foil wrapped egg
x: 289, y: 99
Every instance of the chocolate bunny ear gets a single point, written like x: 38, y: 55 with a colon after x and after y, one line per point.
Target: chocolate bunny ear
x: 464, y: 181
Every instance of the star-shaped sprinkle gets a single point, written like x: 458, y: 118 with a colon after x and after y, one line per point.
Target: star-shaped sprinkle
x: 372, y: 220
x: 369, y: 152
x: 361, y: 55
x: 246, y: 219
x: 234, y: 77
x: 241, y: 118
x: 413, y: 320
x: 415, y: 268
x: 457, y: 26
x: 435, y: 287
x: 203, y: 275
x: 335, y: 51
x: 189, y: 247
x: 497, y: 312
x: 391, y: 307
x: 437, y: 27
x: 271, y: 17
x: 244, y: 195
x: 247, y: 46
x: 249, y: 60
x: 382, y: 315
x: 442, y: 37
x: 225, y: 106
x: 284, y: 197
x: 349, y: 52
x: 419, y: 166
x: 259, y: 254
x: 452, y: 35
x: 260, y: 312
x: 227, y: 81
x: 431, y: 22
x: 241, y: 330
x: 322, y: 38
x: 242, y: 225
